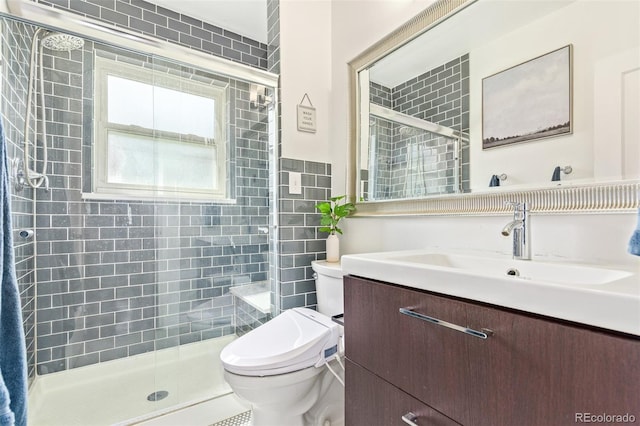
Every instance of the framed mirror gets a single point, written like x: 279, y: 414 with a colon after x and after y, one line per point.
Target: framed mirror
x: 474, y: 102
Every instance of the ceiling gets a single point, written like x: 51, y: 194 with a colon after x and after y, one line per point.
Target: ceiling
x: 244, y: 17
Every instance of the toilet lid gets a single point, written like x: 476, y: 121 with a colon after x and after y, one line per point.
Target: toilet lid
x: 293, y: 340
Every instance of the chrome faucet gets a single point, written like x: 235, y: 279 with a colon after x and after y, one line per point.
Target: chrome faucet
x: 520, y: 228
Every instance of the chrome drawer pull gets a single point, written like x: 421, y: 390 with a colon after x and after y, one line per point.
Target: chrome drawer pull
x: 466, y: 330
x: 410, y: 419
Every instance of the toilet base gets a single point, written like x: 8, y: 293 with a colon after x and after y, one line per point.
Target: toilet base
x: 309, y: 397
x: 329, y: 409
x: 281, y: 399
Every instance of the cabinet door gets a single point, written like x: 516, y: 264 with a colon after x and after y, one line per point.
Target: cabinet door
x: 425, y: 360
x: 535, y: 371
x: 370, y: 401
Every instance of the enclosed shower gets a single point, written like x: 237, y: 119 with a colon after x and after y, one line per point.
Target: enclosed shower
x: 143, y: 188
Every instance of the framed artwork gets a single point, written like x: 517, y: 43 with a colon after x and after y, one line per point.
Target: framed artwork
x: 529, y: 101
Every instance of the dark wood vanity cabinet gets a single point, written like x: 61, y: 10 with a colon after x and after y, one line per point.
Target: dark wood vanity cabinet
x: 530, y: 370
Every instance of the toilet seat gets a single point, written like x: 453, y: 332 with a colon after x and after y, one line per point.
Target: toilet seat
x: 296, y: 339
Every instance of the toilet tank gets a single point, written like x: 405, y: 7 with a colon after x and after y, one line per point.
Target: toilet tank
x: 329, y: 290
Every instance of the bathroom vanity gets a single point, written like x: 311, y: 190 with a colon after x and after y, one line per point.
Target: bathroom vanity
x: 448, y: 360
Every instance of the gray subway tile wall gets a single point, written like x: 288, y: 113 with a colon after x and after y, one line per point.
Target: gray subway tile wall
x: 300, y: 241
x: 380, y: 95
x: 248, y: 317
x: 165, y: 24
x: 439, y: 95
x: 273, y: 36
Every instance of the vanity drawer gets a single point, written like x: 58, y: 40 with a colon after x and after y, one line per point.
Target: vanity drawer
x: 372, y: 401
x: 425, y: 360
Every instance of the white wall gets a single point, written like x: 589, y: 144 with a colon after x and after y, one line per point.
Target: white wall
x: 306, y: 63
x: 355, y: 25
x: 592, y: 50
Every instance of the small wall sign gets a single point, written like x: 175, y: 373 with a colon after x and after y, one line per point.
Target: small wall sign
x: 306, y: 116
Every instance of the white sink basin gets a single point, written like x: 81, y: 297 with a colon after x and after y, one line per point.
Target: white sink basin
x: 594, y: 295
x: 557, y: 273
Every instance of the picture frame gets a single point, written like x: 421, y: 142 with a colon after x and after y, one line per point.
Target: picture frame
x: 529, y: 101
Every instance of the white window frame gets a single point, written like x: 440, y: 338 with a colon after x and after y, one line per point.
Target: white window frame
x: 101, y: 187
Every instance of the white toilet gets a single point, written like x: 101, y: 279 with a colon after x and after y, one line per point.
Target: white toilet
x: 279, y: 368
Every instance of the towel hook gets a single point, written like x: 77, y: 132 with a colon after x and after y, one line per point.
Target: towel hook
x: 556, y: 172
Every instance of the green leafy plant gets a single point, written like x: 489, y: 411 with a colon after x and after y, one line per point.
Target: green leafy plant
x: 332, y: 212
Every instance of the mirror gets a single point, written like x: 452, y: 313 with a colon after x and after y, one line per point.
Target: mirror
x: 484, y: 97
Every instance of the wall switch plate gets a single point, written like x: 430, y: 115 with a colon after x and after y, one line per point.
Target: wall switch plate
x: 295, y: 183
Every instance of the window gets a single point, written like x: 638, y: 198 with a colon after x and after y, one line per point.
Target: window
x: 157, y: 135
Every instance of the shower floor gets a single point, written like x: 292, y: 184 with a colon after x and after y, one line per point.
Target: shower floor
x: 116, y: 392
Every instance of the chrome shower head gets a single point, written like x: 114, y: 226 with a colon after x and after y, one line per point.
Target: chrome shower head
x: 62, y: 42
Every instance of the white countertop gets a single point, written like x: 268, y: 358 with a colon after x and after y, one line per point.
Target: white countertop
x: 601, y: 296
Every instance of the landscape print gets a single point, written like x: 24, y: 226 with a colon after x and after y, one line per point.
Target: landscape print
x: 529, y: 101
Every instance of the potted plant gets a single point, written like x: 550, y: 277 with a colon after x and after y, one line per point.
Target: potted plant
x: 332, y: 212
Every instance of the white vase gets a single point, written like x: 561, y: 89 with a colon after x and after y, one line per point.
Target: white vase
x: 333, y: 248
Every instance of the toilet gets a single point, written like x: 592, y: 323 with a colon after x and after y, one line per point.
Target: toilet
x: 280, y: 368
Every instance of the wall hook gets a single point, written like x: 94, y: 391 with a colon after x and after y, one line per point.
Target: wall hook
x: 495, y: 179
